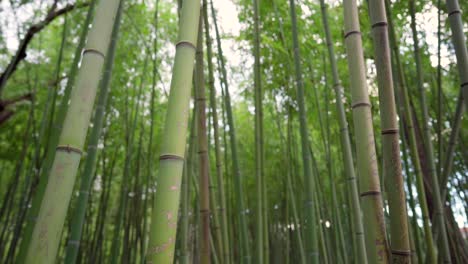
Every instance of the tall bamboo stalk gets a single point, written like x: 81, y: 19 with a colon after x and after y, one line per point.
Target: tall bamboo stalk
x: 311, y: 222
x: 405, y: 111
x: 166, y: 201
x: 429, y: 149
x: 53, y: 139
x: 48, y: 228
x: 258, y: 135
x: 225, y: 250
x: 90, y: 163
x: 459, y: 44
x: 345, y: 142
x: 371, y: 199
x: 241, y: 212
x: 204, y: 181
x: 392, y: 174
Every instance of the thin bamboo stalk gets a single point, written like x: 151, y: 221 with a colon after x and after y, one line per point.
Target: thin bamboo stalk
x: 258, y: 136
x: 311, y: 223
x: 225, y: 250
x: 204, y: 181
x: 345, y: 142
x: 429, y: 149
x: 459, y: 44
x: 241, y: 212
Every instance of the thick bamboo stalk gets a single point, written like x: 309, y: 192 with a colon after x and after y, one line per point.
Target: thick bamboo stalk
x: 90, y: 163
x: 345, y: 143
x: 428, y: 146
x: 312, y: 252
x: 166, y: 201
x: 400, y: 246
x: 53, y: 140
x: 204, y: 181
x: 459, y: 44
x: 407, y: 118
x: 48, y: 228
x: 371, y: 198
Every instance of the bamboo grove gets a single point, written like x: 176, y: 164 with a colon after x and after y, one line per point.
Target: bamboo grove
x: 233, y: 131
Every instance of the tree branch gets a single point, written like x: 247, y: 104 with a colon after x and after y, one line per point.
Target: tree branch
x: 33, y: 30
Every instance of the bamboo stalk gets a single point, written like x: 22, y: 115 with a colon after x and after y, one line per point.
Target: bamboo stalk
x: 239, y: 191
x: 392, y: 173
x: 204, y: 182
x: 371, y: 199
x: 166, y: 201
x: 46, y: 234
x: 90, y: 163
x: 345, y: 142
x: 429, y: 149
x: 311, y: 224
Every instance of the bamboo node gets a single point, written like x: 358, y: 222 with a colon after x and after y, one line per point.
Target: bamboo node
x: 368, y: 193
x: 380, y: 24
x: 453, y: 12
x: 186, y: 43
x: 401, y: 252
x: 389, y: 131
x: 360, y: 104
x: 94, y: 51
x: 171, y: 157
x: 464, y: 84
x: 69, y: 149
x: 349, y: 33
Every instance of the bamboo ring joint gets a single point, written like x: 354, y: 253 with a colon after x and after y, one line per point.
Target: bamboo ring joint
x: 390, y: 131
x: 349, y: 33
x: 368, y: 193
x: 360, y: 103
x: 401, y: 252
x: 69, y: 149
x: 94, y: 51
x: 187, y: 43
x: 171, y: 157
x: 380, y: 24
x: 456, y: 11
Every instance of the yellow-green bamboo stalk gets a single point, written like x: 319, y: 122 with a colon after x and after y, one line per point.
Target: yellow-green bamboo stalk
x: 48, y: 228
x: 166, y: 201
